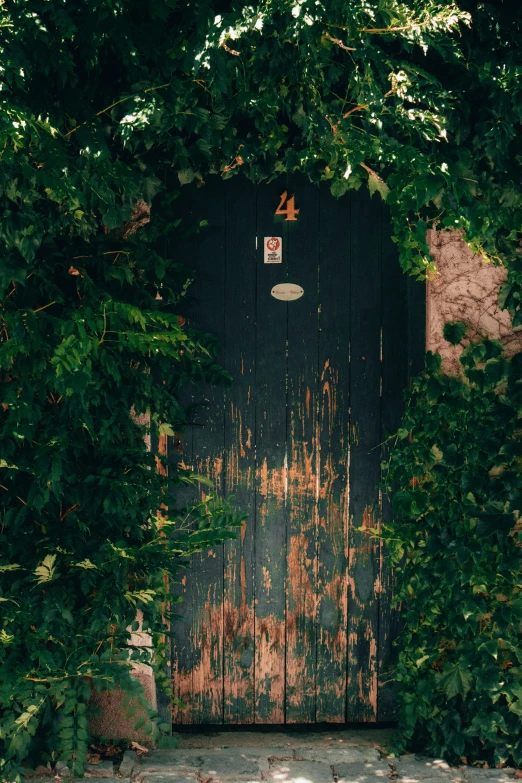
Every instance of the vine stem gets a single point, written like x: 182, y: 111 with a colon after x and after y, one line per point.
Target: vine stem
x: 360, y: 107
x: 116, y: 103
x: 44, y: 306
x: 339, y: 43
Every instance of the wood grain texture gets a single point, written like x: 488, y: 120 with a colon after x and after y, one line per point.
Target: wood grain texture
x: 208, y: 455
x: 333, y: 423
x: 302, y: 442
x: 182, y: 647
x: 394, y: 324
x: 292, y: 622
x: 271, y: 472
x: 240, y: 422
x: 365, y: 374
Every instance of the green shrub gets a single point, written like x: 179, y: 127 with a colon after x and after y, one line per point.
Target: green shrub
x: 456, y: 542
x: 87, y: 349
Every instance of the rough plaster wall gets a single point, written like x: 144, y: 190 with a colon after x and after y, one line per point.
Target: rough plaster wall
x: 112, y: 720
x: 465, y: 289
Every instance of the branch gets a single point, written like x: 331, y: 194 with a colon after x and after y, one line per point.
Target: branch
x: 369, y: 170
x: 116, y: 103
x: 201, y: 83
x: 229, y: 50
x: 384, y: 30
x: 360, y: 107
x: 44, y: 306
x: 339, y: 43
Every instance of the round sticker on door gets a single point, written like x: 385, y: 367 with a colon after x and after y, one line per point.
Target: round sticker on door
x: 287, y: 292
x: 273, y: 244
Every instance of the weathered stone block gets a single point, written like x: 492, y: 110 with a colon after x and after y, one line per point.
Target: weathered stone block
x: 300, y: 772
x: 231, y: 764
x: 477, y: 775
x: 339, y: 755
x: 168, y: 777
x: 105, y: 769
x: 412, y: 768
x: 362, y: 773
x: 128, y: 764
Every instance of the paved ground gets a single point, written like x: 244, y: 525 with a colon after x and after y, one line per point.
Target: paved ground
x: 250, y: 757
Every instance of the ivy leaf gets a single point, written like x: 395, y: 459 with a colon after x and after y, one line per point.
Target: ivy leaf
x: 491, y: 647
x: 455, y: 680
x: 375, y: 183
x: 186, y: 176
x: 339, y: 187
x: 454, y: 332
x: 166, y: 429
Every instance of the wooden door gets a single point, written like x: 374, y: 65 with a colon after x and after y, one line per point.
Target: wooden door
x: 291, y: 623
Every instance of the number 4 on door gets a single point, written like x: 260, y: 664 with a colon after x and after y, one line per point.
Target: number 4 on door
x: 290, y: 211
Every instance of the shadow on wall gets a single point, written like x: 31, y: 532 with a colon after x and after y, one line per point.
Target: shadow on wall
x: 466, y: 289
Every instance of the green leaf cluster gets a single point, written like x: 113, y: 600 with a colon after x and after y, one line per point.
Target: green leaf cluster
x: 93, y: 358
x: 420, y: 101
x: 456, y: 544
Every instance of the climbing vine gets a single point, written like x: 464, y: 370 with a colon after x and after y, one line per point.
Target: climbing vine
x: 456, y: 542
x: 108, y: 109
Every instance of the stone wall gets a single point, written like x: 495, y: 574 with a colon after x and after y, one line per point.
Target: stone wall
x: 466, y: 289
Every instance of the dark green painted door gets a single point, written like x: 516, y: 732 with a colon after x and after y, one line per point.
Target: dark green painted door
x: 292, y: 623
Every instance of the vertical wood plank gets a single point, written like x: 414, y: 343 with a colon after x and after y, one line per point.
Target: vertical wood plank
x: 364, y: 584
x: 208, y: 452
x: 394, y: 321
x: 297, y: 577
x: 303, y: 258
x: 416, y: 326
x: 271, y: 471
x: 182, y: 648
x: 334, y: 423
x: 240, y: 449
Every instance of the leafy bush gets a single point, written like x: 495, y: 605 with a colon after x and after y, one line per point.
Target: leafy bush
x: 456, y: 542
x: 90, y: 358
x: 419, y: 101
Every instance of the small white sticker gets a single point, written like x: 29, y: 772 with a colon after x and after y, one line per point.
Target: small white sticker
x: 287, y: 292
x: 273, y: 250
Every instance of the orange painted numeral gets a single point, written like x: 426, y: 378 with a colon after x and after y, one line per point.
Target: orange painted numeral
x: 291, y: 212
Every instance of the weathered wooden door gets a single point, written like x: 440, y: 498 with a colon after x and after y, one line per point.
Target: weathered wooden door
x: 291, y: 623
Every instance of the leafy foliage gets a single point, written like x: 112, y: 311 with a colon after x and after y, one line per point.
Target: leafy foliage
x: 90, y: 359
x: 456, y: 541
x: 421, y: 101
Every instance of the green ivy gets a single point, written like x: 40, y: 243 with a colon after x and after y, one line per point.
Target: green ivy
x: 90, y: 358
x: 420, y: 101
x: 456, y: 544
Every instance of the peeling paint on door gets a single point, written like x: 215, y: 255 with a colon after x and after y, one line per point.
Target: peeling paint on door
x: 292, y: 622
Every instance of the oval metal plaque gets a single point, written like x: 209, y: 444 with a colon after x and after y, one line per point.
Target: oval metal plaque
x: 287, y: 292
